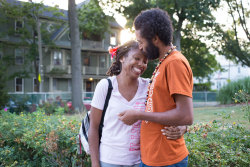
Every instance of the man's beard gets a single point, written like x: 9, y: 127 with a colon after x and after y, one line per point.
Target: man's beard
x: 152, y: 52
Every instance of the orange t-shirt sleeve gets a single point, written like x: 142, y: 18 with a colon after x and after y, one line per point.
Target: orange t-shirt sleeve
x: 179, y: 76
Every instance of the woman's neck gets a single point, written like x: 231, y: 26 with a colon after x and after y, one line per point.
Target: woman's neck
x: 125, y: 80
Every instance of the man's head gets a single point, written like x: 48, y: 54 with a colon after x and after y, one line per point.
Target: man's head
x: 153, y: 24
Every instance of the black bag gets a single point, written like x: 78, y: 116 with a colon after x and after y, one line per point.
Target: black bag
x: 83, y: 133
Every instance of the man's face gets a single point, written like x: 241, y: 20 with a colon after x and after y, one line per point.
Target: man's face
x: 147, y: 46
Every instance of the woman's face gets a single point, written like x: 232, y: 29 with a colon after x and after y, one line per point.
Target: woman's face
x: 134, y: 64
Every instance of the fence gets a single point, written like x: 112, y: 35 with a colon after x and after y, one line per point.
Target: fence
x: 38, y: 98
x: 202, y: 98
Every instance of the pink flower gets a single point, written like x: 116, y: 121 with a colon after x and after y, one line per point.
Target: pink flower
x: 5, y: 109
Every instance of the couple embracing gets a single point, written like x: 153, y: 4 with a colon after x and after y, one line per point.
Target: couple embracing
x: 146, y: 118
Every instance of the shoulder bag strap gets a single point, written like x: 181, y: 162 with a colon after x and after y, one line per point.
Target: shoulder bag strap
x: 110, y: 88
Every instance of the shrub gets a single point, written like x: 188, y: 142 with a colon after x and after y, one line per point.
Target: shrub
x: 227, y: 92
x: 35, y: 139
x: 215, y: 144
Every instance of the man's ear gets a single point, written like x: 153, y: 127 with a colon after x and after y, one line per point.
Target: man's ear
x: 156, y: 40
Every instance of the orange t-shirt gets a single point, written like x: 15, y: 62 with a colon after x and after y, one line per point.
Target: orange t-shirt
x: 174, y: 76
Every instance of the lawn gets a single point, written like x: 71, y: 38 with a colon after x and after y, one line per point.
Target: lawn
x: 226, y: 114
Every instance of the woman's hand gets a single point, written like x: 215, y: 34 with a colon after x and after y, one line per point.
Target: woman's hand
x: 174, y: 132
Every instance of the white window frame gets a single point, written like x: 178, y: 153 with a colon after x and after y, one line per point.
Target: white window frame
x: 21, y: 56
x: 53, y: 60
x: 22, y: 85
x: 113, y: 38
x: 16, y: 30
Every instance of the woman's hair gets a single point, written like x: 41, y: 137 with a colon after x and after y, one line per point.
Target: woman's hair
x: 122, y: 51
x: 155, y: 22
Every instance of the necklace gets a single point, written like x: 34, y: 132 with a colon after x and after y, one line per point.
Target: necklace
x: 156, y: 69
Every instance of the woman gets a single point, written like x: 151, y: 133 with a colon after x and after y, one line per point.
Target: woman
x: 120, y: 143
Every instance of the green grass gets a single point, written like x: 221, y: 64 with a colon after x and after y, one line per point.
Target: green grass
x: 226, y: 114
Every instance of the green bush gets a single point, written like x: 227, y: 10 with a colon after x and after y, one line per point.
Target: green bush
x: 217, y: 144
x: 226, y: 93
x: 36, y: 139
x: 202, y: 86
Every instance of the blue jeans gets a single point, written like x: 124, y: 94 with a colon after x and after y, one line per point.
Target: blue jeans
x: 183, y: 163
x: 103, y: 164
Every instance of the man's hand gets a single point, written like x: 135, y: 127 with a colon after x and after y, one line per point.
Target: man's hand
x: 174, y: 132
x: 128, y: 117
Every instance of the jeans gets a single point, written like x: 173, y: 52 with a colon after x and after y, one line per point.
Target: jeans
x: 183, y: 163
x: 103, y: 164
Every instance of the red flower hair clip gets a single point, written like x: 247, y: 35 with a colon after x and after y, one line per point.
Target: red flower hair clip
x: 112, y: 51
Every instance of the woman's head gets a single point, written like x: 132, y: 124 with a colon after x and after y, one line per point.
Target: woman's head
x: 125, y: 55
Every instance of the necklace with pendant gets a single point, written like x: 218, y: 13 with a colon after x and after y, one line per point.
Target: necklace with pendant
x: 156, y: 69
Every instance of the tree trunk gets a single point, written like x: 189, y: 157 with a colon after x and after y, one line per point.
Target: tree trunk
x: 40, y: 67
x: 75, y: 57
x: 177, y: 39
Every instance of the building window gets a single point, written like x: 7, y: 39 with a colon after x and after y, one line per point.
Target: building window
x: 68, y: 59
x: 69, y: 85
x: 113, y: 39
x: 19, y: 56
x: 19, y: 84
x: 54, y: 84
x: 86, y: 60
x: 35, y: 85
x: 57, y: 58
x: 102, y: 61
x: 18, y: 25
x: 88, y: 86
x: 238, y: 69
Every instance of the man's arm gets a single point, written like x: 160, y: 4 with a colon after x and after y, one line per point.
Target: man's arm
x: 181, y: 115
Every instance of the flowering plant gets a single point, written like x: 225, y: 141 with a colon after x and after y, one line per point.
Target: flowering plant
x: 112, y: 51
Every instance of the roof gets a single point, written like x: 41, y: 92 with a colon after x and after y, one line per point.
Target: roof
x: 49, y: 14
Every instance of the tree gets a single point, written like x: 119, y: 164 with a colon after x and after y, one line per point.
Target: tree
x: 75, y: 57
x: 232, y: 46
x: 92, y: 20
x: 30, y: 36
x: 197, y: 16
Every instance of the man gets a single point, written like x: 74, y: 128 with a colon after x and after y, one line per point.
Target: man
x: 169, y: 100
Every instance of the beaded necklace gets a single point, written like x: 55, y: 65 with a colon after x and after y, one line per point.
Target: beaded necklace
x: 156, y: 69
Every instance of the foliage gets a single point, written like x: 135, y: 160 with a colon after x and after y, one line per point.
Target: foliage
x: 203, y: 63
x: 244, y: 98
x: 38, y: 140
x: 202, y: 86
x: 226, y: 93
x: 55, y: 107
x: 92, y: 20
x: 218, y: 144
x: 150, y: 69
x: 197, y: 15
x: 227, y: 41
x: 26, y: 35
x: 3, y: 93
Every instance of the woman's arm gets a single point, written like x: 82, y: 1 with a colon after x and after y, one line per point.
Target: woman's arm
x: 95, y: 119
